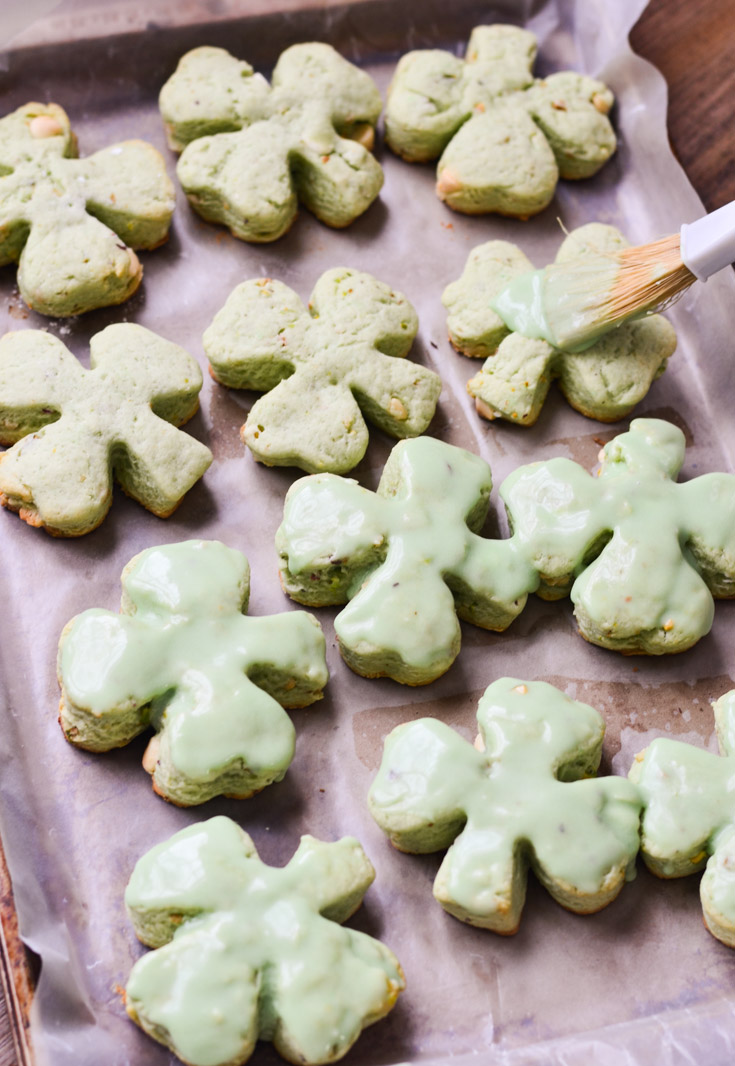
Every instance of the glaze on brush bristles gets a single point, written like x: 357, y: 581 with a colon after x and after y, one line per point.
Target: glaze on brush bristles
x: 581, y: 299
x: 650, y: 278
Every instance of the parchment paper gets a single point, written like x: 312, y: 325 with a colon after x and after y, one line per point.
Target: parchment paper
x: 642, y: 982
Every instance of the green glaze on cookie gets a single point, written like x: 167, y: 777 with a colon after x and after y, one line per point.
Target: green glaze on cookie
x: 69, y: 223
x: 252, y: 152
x: 183, y: 660
x: 500, y: 292
x: 247, y: 951
x: 640, y: 555
x: 74, y: 428
x: 325, y: 370
x: 544, y: 304
x: 689, y: 816
x: 407, y: 558
x: 504, y: 137
x: 516, y: 802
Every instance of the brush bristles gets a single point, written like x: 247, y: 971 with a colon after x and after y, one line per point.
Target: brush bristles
x: 649, y: 278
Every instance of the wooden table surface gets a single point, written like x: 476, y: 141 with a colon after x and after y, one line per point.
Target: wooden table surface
x: 692, y: 45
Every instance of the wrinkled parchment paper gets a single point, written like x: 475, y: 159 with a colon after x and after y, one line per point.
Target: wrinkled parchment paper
x: 642, y: 982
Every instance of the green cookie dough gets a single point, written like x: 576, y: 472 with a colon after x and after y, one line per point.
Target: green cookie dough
x: 323, y: 369
x: 182, y: 659
x: 605, y: 381
x: 640, y: 556
x: 514, y: 800
x: 407, y: 558
x: 252, y: 152
x: 249, y: 952
x: 504, y: 137
x: 71, y: 224
x: 74, y: 428
x: 689, y: 816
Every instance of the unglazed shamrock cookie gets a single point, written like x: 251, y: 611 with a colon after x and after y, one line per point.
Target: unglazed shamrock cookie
x: 71, y: 224
x: 247, y: 951
x: 605, y: 381
x: 640, y: 556
x: 323, y: 368
x: 407, y: 558
x: 689, y: 816
x: 252, y: 152
x: 514, y: 800
x: 504, y: 137
x: 182, y: 659
x: 74, y: 428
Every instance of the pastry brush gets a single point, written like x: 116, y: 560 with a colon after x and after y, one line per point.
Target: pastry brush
x: 573, y: 303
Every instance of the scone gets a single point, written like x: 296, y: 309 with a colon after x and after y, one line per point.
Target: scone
x: 72, y: 224
x: 247, y: 951
x: 504, y: 137
x: 520, y: 798
x: 689, y: 816
x: 407, y: 560
x: 640, y: 556
x: 72, y: 429
x: 252, y: 152
x: 183, y: 659
x: 326, y: 370
x: 605, y: 381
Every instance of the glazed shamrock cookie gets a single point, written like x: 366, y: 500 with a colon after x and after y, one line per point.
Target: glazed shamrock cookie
x: 504, y: 137
x: 249, y: 952
x: 325, y: 370
x: 71, y: 224
x: 74, y: 428
x: 524, y: 796
x: 184, y: 660
x: 251, y: 152
x: 407, y: 560
x: 689, y: 816
x: 605, y: 381
x: 640, y: 556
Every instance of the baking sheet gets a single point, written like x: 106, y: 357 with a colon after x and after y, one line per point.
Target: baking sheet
x: 638, y: 983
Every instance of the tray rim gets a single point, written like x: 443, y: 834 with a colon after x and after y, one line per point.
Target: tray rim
x: 16, y: 974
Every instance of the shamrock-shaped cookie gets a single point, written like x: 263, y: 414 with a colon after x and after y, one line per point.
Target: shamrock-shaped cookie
x: 514, y: 800
x: 689, y: 816
x: 324, y: 368
x: 504, y: 137
x: 74, y: 428
x: 407, y: 558
x: 640, y: 555
x: 605, y: 381
x: 69, y: 223
x: 183, y: 659
x: 247, y: 951
x: 252, y: 152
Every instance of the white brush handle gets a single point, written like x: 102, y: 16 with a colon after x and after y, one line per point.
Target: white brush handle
x: 708, y: 244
